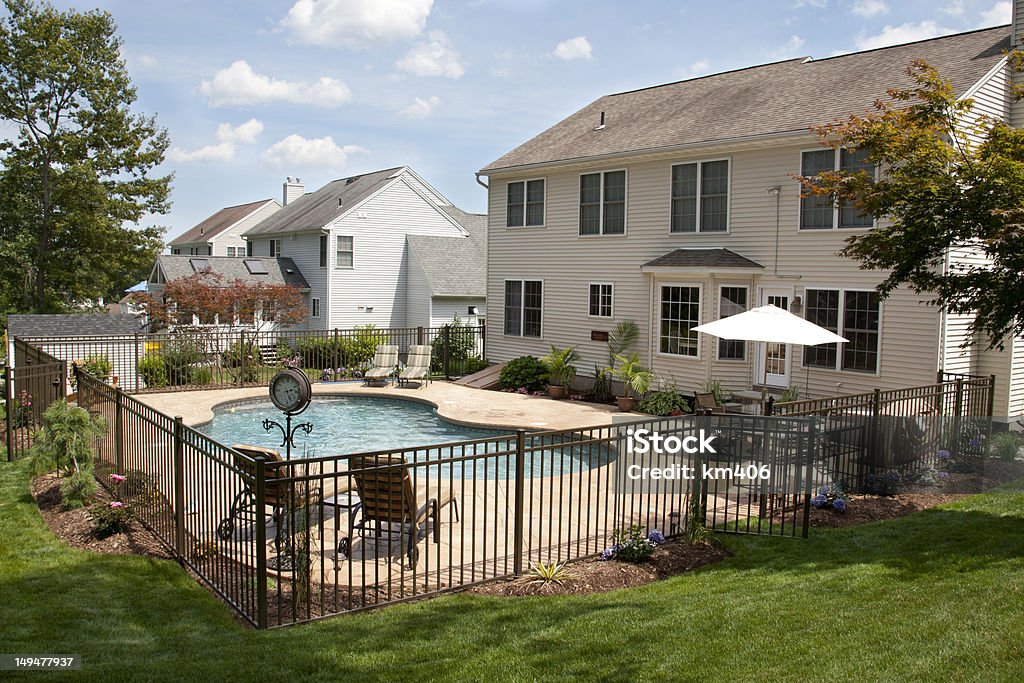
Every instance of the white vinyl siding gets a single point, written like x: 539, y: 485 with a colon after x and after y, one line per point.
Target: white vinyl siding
x: 603, y: 203
x: 680, y: 313
x: 700, y: 197
x: 525, y: 205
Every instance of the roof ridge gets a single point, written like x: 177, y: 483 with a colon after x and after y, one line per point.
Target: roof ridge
x: 912, y: 42
x: 713, y: 75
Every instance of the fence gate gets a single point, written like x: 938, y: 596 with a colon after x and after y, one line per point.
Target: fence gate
x: 29, y: 390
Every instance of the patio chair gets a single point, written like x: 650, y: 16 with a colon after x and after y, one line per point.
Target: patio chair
x: 384, y: 362
x: 707, y: 404
x: 418, y: 365
x: 388, y: 497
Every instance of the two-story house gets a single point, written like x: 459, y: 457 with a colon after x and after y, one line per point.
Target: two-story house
x: 383, y: 248
x: 221, y: 233
x: 676, y: 205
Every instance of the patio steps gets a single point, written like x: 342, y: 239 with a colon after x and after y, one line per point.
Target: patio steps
x: 484, y: 379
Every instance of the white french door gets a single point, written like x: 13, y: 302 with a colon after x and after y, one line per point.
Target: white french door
x: 774, y: 360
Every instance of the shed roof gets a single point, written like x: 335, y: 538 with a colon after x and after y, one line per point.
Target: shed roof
x: 702, y: 258
x: 27, y: 326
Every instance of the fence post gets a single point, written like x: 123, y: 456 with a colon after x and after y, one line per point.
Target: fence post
x: 447, y: 339
x: 991, y: 396
x: 958, y: 406
x: 875, y: 431
x: 483, y: 341
x: 420, y: 336
x: 335, y: 350
x: 179, y: 489
x: 135, y: 365
x: 243, y: 351
x: 9, y: 408
x: 517, y: 552
x: 261, y: 543
x: 812, y: 445
x: 119, y: 431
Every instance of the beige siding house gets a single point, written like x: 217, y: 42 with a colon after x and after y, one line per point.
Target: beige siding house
x: 675, y: 205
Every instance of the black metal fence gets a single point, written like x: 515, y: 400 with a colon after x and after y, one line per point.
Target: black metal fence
x: 211, y: 357
x: 29, y: 389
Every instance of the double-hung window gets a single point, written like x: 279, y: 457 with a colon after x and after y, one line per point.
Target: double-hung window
x: 852, y: 314
x: 315, y: 308
x: 680, y: 313
x: 700, y: 197
x: 323, y: 250
x: 344, y: 252
x: 524, y: 300
x: 821, y: 212
x: 600, y: 304
x: 732, y: 300
x: 525, y: 206
x: 603, y: 203
x: 275, y: 248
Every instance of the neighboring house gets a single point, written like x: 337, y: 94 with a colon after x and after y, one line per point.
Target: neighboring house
x: 221, y: 233
x: 250, y: 270
x: 382, y: 248
x: 675, y: 205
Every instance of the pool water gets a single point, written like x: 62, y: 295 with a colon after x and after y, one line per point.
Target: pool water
x: 345, y: 425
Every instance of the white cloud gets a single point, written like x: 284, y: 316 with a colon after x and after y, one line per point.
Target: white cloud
x: 904, y: 33
x: 297, y: 151
x: 147, y: 61
x: 869, y: 8
x: 999, y: 14
x: 228, y: 137
x: 574, y: 48
x: 240, y: 85
x: 698, y: 68
x: 420, y: 108
x: 810, y: 3
x: 356, y: 23
x: 787, y: 50
x: 955, y: 8
x: 435, y: 57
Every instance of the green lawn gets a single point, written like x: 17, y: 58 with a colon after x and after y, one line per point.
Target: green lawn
x: 936, y: 596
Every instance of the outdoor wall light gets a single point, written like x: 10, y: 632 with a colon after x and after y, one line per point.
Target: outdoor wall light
x: 797, y: 307
x: 473, y: 310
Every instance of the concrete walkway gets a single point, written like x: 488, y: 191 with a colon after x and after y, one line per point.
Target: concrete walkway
x: 463, y: 405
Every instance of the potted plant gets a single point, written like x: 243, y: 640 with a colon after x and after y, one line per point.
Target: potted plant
x: 636, y: 378
x: 561, y: 371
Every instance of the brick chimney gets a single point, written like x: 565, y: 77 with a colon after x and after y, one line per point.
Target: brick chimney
x: 293, y: 189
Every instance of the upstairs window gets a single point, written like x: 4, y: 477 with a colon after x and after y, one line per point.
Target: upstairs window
x: 603, y: 203
x: 345, y: 252
x: 822, y: 212
x: 323, y: 251
x: 700, y: 197
x: 525, y: 206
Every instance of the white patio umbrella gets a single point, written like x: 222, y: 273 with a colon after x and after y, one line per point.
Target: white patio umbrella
x: 770, y: 324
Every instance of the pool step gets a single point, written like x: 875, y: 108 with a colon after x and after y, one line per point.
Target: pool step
x: 485, y: 379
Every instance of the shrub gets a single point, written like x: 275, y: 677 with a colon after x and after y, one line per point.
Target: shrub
x: 665, y: 402
x: 524, y: 372
x: 554, y: 572
x: 630, y: 545
x: 884, y: 484
x: 77, y: 489
x: 602, y: 389
x: 1004, y: 445
x: 138, y: 488
x: 831, y: 496
x: 152, y: 370
x: 110, y: 518
x: 65, y: 442
x: 180, y: 359
x: 201, y: 375
x: 461, y: 343
x: 244, y: 359
x: 284, y: 349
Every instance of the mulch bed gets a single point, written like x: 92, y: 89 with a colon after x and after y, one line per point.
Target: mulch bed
x: 861, y: 509
x: 593, y: 575
x: 75, y: 527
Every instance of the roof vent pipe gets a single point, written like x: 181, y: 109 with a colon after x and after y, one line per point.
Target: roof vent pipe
x: 601, y: 125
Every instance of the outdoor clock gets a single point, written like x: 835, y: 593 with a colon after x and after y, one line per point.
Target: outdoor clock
x: 290, y: 391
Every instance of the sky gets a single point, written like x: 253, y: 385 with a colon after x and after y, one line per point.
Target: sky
x: 251, y: 92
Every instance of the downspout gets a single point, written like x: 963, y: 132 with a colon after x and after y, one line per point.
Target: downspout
x: 777, y: 191
x: 481, y: 183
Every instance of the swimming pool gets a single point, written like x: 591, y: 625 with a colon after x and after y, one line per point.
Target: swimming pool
x: 345, y: 424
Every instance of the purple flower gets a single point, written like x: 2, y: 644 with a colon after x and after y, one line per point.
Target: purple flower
x: 656, y: 537
x: 943, y: 475
x: 839, y: 504
x: 975, y: 442
x: 943, y: 454
x: 823, y: 491
x: 607, y: 554
x: 819, y: 501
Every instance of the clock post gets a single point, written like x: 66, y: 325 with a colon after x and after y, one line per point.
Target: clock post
x: 291, y: 392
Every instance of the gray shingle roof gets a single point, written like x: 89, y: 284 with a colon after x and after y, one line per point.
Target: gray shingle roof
x: 455, y: 266
x: 218, y: 223
x: 27, y: 326
x: 788, y: 96
x: 702, y: 258
x: 314, y: 210
x: 279, y: 270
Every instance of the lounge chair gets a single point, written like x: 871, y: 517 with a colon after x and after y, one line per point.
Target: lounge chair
x: 707, y: 404
x: 387, y: 497
x: 418, y: 365
x: 384, y: 363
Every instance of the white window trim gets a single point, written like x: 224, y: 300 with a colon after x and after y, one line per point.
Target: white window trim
x: 315, y: 308
x: 544, y: 217
x: 718, y: 303
x: 275, y: 248
x: 602, y: 283
x: 835, y: 205
x: 625, y: 206
x: 700, y: 320
x: 340, y: 267
x: 842, y: 309
x: 522, y: 306
x: 700, y: 173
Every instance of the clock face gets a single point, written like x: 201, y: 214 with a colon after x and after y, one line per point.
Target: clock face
x: 290, y: 391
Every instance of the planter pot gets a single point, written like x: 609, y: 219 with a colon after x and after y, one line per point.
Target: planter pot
x: 557, y: 391
x: 626, y: 403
